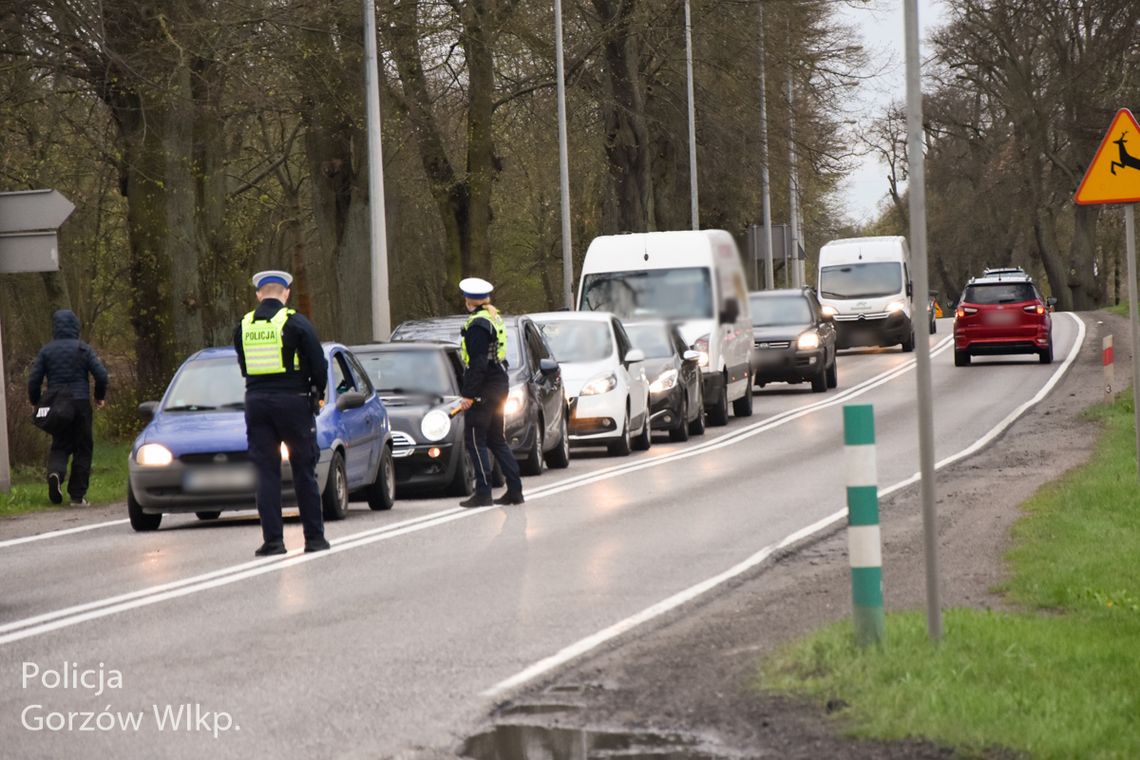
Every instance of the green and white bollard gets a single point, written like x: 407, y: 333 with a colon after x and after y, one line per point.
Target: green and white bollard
x: 864, y: 546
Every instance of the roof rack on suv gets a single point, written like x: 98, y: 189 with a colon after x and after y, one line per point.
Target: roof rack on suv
x: 989, y: 271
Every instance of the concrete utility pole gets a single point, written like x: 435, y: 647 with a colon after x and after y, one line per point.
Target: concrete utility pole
x: 765, y: 185
x: 381, y: 307
x: 916, y: 189
x: 793, y: 188
x: 694, y: 212
x: 563, y: 163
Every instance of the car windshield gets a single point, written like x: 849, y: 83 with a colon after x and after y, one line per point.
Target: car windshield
x: 413, y: 371
x: 204, y: 385
x: 670, y: 293
x: 653, y: 340
x: 573, y: 341
x: 1001, y: 292
x: 869, y: 280
x: 447, y: 330
x: 779, y: 310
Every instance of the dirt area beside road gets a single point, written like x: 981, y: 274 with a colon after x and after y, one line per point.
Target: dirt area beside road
x: 694, y: 671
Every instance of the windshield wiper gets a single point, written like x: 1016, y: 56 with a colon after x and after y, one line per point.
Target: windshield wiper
x: 831, y: 294
x: 234, y: 405
x: 409, y: 392
x: 190, y: 408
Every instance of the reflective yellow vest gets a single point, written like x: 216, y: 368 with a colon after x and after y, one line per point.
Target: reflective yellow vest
x: 491, y: 314
x: 263, y: 345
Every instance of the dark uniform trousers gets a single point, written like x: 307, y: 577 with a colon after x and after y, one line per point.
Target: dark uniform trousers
x: 272, y: 419
x: 485, y: 437
x: 75, y: 443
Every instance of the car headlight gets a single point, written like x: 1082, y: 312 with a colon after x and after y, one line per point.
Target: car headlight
x: 894, y: 307
x: 701, y: 346
x: 808, y: 341
x: 515, y: 400
x: 664, y: 381
x: 154, y: 455
x: 284, y: 452
x: 831, y: 311
x: 435, y: 425
x: 603, y: 384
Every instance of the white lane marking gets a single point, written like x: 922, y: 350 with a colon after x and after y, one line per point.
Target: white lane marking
x: 204, y: 577
x: 582, y: 646
x: 57, y: 533
x: 57, y: 619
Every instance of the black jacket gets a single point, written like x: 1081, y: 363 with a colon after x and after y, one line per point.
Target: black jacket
x: 483, y: 378
x: 299, y: 337
x: 67, y: 362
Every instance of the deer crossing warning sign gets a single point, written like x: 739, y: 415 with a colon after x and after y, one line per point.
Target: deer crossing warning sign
x: 1114, y: 174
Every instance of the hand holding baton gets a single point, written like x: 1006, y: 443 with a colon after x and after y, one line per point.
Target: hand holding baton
x: 459, y: 408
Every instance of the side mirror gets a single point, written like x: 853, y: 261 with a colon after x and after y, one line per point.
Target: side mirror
x: 691, y: 356
x: 1051, y: 302
x: 730, y: 312
x: 148, y: 409
x: 350, y: 400
x: 909, y: 289
x: 548, y: 366
x: 634, y: 355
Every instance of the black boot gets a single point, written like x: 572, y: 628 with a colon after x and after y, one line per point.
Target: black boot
x: 55, y: 492
x: 318, y: 544
x: 511, y: 497
x: 478, y: 500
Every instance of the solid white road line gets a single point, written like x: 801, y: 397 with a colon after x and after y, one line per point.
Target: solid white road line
x: 62, y: 618
x: 583, y: 646
x: 58, y: 533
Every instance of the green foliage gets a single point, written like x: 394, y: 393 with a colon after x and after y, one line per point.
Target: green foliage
x: 108, y: 483
x: 1056, y: 683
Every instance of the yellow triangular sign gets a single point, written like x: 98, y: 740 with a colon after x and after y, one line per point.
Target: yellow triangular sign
x: 1114, y: 174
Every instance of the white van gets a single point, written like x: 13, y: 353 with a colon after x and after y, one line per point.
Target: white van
x: 864, y: 283
x: 693, y: 278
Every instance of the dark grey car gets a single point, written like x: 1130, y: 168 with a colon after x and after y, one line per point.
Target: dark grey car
x: 536, y: 411
x: 676, y: 398
x: 793, y: 340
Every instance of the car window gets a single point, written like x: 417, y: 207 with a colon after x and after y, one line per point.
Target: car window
x: 342, y: 377
x: 654, y: 340
x: 999, y: 292
x: 359, y: 376
x: 447, y: 329
x: 780, y: 310
x: 684, y: 293
x: 207, y: 384
x: 536, y: 345
x: 409, y: 371
x: 579, y: 341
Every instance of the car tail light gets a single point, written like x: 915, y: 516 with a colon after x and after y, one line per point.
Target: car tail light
x: 964, y: 311
x: 1035, y: 308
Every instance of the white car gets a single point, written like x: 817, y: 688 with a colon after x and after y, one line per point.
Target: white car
x: 604, y: 379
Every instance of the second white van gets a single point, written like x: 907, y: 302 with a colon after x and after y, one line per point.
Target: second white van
x: 692, y: 278
x: 864, y: 284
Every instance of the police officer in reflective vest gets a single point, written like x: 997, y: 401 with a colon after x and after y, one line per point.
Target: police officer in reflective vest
x: 285, y: 376
x: 485, y: 388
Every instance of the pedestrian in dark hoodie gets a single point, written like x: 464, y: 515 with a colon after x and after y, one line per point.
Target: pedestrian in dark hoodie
x: 66, y: 362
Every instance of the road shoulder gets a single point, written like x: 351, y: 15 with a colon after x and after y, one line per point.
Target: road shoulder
x: 695, y: 671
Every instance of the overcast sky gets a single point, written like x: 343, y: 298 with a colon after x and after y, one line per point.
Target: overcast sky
x: 881, y: 24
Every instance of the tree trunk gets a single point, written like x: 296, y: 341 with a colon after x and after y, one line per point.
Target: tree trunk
x: 1084, y: 282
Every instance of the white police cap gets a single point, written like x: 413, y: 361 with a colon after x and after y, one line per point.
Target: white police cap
x: 476, y: 288
x: 261, y: 279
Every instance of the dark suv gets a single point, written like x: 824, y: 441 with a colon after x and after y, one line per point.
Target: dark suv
x: 1002, y: 312
x: 793, y: 339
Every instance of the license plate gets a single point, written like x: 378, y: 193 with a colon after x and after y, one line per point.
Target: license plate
x: 219, y: 480
x: 1001, y: 318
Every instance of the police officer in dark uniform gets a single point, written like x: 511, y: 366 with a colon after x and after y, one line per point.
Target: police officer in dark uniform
x: 286, y: 374
x: 485, y: 388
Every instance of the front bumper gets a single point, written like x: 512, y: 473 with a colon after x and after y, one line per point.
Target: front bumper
x: 666, y: 408
x: 872, y: 329
x: 415, y: 469
x: 169, y: 489
x: 782, y: 362
x: 599, y: 417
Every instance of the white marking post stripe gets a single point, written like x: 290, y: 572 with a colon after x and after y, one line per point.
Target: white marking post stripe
x: 860, y: 465
x: 864, y: 546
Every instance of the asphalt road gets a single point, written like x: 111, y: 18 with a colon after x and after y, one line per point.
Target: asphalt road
x: 419, y: 619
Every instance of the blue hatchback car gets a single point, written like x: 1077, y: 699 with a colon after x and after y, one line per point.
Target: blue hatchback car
x: 193, y: 455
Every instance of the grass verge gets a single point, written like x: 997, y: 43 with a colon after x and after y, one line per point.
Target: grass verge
x: 1060, y: 680
x: 108, y: 482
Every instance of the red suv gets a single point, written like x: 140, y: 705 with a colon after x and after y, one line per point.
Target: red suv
x: 1003, y: 313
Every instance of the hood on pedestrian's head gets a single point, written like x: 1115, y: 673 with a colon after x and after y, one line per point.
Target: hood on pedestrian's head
x: 64, y: 324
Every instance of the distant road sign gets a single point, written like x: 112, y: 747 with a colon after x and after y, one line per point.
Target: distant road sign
x: 1114, y: 174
